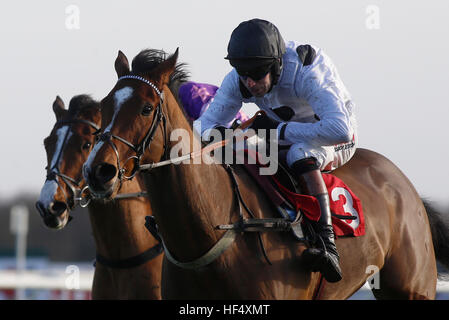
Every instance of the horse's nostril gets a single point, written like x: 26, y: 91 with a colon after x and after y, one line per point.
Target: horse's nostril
x: 58, y: 208
x: 105, y: 172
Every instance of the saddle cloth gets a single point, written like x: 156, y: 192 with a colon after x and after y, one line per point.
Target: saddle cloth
x: 343, y: 202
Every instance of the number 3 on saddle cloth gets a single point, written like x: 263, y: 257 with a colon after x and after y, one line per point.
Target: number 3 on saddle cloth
x: 343, y: 202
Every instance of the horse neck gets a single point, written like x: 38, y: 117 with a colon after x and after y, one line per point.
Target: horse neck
x: 118, y: 225
x: 188, y: 200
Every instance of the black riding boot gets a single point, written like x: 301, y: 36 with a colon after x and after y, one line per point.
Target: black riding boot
x: 324, y: 259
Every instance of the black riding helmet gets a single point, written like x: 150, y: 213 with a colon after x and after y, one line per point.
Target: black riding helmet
x: 256, y: 47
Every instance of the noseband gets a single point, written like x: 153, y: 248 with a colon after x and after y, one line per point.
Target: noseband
x: 140, y: 148
x: 72, y: 184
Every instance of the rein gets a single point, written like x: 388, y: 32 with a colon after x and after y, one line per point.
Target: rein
x: 207, y: 149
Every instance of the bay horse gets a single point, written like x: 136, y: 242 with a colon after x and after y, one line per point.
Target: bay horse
x: 129, y: 263
x: 190, y: 200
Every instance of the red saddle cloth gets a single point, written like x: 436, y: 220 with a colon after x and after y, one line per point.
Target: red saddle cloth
x: 343, y: 202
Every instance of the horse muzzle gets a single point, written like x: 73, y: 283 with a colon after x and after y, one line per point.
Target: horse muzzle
x: 101, y: 179
x: 55, y: 214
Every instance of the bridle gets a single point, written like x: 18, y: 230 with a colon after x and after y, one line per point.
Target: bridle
x: 74, y: 185
x: 140, y: 148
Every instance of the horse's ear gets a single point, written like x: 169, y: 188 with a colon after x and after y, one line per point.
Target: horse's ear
x: 166, y: 68
x: 121, y: 65
x: 59, y: 108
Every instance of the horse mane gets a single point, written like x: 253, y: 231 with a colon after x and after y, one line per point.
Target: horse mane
x: 81, y: 102
x: 148, y: 59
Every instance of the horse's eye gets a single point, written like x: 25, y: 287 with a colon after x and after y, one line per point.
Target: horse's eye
x: 147, y: 109
x: 86, y: 146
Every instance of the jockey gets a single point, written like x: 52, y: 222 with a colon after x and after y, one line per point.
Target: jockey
x: 305, y: 100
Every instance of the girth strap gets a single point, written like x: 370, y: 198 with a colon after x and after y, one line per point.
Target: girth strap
x: 131, y: 262
x: 225, y: 241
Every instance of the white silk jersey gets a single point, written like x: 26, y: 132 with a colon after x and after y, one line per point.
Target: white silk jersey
x: 322, y: 111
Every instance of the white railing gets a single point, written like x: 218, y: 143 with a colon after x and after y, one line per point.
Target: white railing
x: 63, y: 283
x: 365, y: 292
x: 66, y: 284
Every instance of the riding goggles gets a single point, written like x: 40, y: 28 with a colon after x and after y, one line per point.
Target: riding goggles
x: 256, y: 73
x: 255, y: 69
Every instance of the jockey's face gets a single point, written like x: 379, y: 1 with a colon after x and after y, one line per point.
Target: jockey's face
x: 258, y: 88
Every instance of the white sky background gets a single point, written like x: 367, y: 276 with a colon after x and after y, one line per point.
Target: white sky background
x: 397, y: 74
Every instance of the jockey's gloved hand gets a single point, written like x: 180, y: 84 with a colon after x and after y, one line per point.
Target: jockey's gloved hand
x: 263, y: 121
x: 214, y: 138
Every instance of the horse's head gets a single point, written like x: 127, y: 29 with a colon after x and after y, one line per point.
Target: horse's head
x: 67, y: 147
x: 133, y: 121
